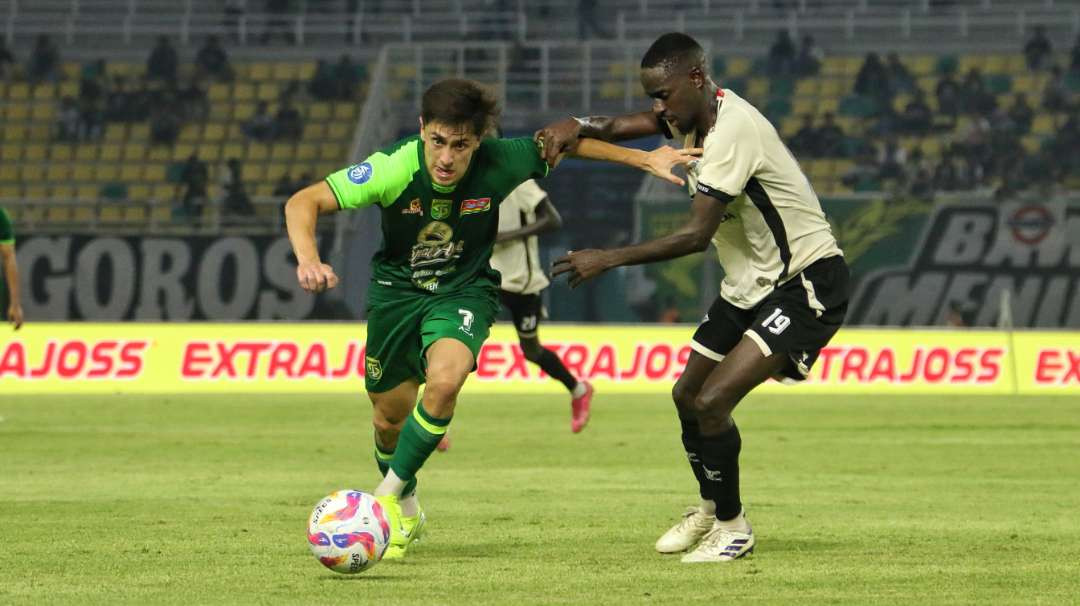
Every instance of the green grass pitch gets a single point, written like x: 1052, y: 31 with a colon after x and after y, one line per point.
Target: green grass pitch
x: 862, y: 500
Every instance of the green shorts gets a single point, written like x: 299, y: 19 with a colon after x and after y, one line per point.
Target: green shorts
x: 401, y: 326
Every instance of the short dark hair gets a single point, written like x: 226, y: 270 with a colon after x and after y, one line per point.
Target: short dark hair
x: 673, y: 49
x: 459, y: 101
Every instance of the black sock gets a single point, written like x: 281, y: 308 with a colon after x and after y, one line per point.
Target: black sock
x: 691, y: 441
x: 720, y: 459
x: 554, y: 367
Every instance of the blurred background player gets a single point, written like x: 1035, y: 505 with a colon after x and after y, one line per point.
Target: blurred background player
x: 523, y: 215
x: 785, y: 287
x: 9, y: 287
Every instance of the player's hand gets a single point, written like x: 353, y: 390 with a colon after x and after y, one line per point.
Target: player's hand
x: 316, y: 277
x: 582, y: 265
x: 557, y: 139
x: 660, y: 161
x: 15, y: 315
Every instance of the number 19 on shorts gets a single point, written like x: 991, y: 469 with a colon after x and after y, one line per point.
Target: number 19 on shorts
x: 776, y: 322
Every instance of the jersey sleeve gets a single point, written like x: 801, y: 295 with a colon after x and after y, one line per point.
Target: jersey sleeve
x: 732, y: 155
x: 7, y: 231
x: 521, y: 158
x: 377, y: 180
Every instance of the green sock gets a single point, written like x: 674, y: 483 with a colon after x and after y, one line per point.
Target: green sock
x: 417, y: 441
x: 382, y: 459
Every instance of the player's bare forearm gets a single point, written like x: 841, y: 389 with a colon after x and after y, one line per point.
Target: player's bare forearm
x: 562, y: 137
x: 11, y: 271
x: 658, y: 162
x: 706, y: 214
x: 302, y: 214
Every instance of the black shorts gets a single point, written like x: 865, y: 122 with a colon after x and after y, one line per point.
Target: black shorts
x: 797, y: 319
x: 526, y: 311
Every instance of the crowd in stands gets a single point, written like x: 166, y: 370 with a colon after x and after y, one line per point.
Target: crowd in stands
x: 981, y: 130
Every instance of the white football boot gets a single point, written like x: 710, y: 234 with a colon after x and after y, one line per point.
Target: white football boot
x: 723, y: 543
x: 684, y: 535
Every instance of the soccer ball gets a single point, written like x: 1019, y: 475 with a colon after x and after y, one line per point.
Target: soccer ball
x: 348, y: 531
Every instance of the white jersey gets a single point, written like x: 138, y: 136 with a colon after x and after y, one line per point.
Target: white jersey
x: 774, y: 226
x: 518, y: 260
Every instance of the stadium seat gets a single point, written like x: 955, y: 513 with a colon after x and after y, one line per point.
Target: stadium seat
x: 306, y: 152
x: 257, y: 152
x: 87, y: 193
x: 110, y: 152
x: 314, y: 131
x: 159, y: 153
x: 219, y: 92
x: 268, y: 91
x: 210, y: 152
x: 260, y: 71
x: 243, y: 93
x: 82, y: 171
x: 106, y: 172
x: 319, y: 111
x: 214, y: 133
x: 154, y: 173
x: 86, y: 152
x: 56, y: 213
x: 111, y: 213
x: 181, y: 152
x: 164, y: 192
x: 60, y: 153
x: 32, y: 173
x: 285, y: 71
x: 10, y: 192
x: 131, y: 172
x: 15, y: 133
x: 10, y: 153
x: 275, y: 171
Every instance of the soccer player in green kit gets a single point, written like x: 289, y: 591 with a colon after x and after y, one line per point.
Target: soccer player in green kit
x: 9, y: 294
x: 433, y: 295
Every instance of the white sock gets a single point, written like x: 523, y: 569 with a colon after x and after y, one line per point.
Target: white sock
x: 738, y: 523
x: 708, y: 506
x: 410, y: 506
x: 391, y: 484
x: 578, y: 390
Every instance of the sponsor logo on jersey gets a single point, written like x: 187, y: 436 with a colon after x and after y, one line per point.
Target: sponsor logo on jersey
x: 435, y: 246
x: 374, y: 368
x: 440, y: 209
x: 414, y: 208
x: 470, y: 207
x: 361, y: 173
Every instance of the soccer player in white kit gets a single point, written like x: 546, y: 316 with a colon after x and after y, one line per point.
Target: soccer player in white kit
x: 785, y: 288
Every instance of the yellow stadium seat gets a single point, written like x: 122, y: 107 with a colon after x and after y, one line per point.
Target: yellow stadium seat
x: 164, y: 192
x: 313, y: 131
x: 139, y: 193
x: 967, y: 62
x: 996, y: 64
x: 347, y: 111
x: 1031, y: 144
x: 84, y: 215
x: 305, y: 71
x: 233, y: 150
x: 319, y: 111
x: 106, y: 172
x: 17, y: 111
x: 806, y: 87
x: 281, y: 152
x: 189, y: 134
x: 87, y: 193
x: 255, y: 172
x: 15, y: 133
x: 131, y: 172
x: 154, y: 172
x: 57, y: 172
x: 831, y: 88
x: 218, y: 92
x: 275, y: 171
x: 34, y: 153
x: 82, y: 172
x: 221, y: 111
x: 264, y: 190
x: 11, y: 191
x: 44, y: 93
x: 257, y: 152
x: 86, y: 152
x: 804, y: 105
x: 61, y: 152
x: 828, y: 105
x: 403, y: 71
x: 268, y: 91
x: 758, y: 88
x: 286, y: 71
x: 306, y: 152
x: 115, y: 133
x: 737, y: 66
x: 921, y: 65
x: 160, y: 213
x: 1015, y: 65
x: 10, y: 153
x: 159, y: 153
x: 214, y: 133
x: 260, y: 71
x: 18, y: 92
x: 790, y: 125
x: 32, y: 173
x: 58, y: 214
x: 1026, y: 82
x: 135, y: 213
x: 182, y: 151
x: 8, y: 172
x: 110, y: 152
x: 210, y: 152
x: 35, y: 192
x: 111, y: 213
x: 235, y: 132
x: 39, y: 132
x: 608, y: 90
x: 139, y: 132
x: 243, y: 92
x: 330, y: 152
x: 243, y: 111
x: 1043, y: 125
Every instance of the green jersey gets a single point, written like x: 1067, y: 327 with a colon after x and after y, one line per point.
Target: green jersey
x: 7, y: 236
x: 437, y: 238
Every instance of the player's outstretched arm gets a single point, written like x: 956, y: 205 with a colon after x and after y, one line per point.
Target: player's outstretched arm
x: 657, y: 162
x: 562, y: 137
x: 705, y: 215
x: 301, y: 214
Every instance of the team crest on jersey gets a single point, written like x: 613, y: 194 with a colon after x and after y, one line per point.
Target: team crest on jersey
x: 470, y: 207
x: 440, y: 209
x: 374, y: 368
x: 414, y: 208
x: 360, y: 173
